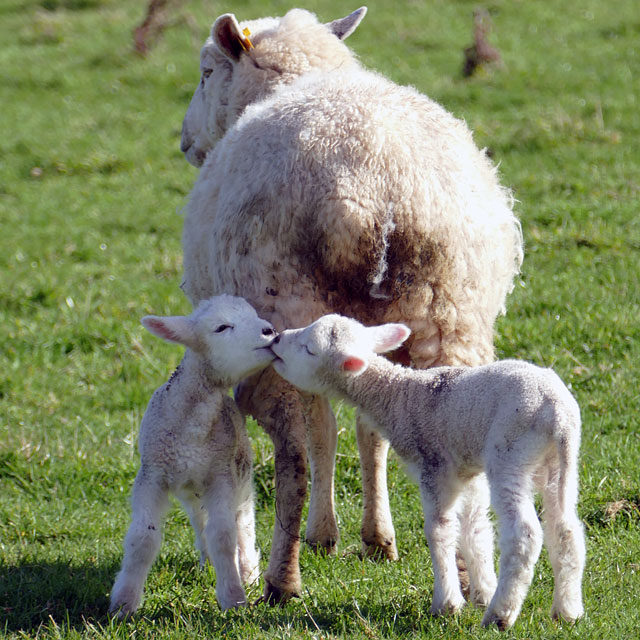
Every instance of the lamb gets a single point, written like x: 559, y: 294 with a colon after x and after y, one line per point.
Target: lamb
x: 516, y: 422
x: 325, y: 188
x: 193, y: 443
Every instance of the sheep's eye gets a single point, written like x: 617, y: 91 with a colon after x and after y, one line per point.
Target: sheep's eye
x: 205, y: 74
x: 309, y: 352
x: 222, y: 327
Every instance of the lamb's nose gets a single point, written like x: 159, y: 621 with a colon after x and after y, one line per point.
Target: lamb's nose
x: 277, y: 339
x: 268, y: 331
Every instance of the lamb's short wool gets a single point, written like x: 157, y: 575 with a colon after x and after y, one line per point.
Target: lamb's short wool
x: 327, y: 188
x: 513, y: 421
x: 193, y: 444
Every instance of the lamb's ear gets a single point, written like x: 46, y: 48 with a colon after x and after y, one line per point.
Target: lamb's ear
x: 353, y: 364
x: 227, y: 35
x: 170, y: 328
x: 344, y: 27
x: 388, y: 337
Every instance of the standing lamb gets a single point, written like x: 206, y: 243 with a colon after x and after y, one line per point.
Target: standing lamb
x: 193, y: 443
x: 514, y: 421
x: 327, y: 188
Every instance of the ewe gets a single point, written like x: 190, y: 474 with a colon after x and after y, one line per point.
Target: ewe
x: 193, y: 443
x: 514, y: 421
x: 327, y: 188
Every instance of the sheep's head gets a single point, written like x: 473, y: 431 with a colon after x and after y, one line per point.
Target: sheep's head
x: 243, y: 62
x: 316, y: 357
x: 226, y: 333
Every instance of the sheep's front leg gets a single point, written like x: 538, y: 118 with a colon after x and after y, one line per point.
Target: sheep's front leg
x: 322, y: 528
x: 149, y: 502
x: 279, y: 408
x: 194, y: 508
x: 222, y: 541
x: 378, y: 535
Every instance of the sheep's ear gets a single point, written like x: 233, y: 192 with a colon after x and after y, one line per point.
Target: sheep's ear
x: 344, y: 27
x: 388, y: 337
x: 227, y: 35
x: 353, y: 364
x: 170, y: 328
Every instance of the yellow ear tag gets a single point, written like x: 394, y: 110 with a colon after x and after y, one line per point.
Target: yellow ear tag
x: 245, y: 42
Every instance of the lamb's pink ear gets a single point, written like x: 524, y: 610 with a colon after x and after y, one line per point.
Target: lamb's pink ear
x: 353, y: 364
x: 170, y: 328
x: 231, y: 40
x: 344, y: 27
x: 388, y: 337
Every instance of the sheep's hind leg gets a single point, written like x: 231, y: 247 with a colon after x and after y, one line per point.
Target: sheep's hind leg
x: 279, y: 408
x: 322, y: 529
x: 194, y: 508
x: 378, y: 535
x: 149, y: 502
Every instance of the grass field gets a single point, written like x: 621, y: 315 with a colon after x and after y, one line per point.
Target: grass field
x: 91, y: 180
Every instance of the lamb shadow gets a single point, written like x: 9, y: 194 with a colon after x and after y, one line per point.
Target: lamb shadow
x: 32, y: 594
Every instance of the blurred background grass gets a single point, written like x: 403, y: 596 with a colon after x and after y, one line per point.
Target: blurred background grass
x: 91, y: 181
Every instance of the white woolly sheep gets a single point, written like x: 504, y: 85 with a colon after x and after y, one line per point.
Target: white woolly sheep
x: 513, y: 421
x: 327, y: 188
x: 193, y: 443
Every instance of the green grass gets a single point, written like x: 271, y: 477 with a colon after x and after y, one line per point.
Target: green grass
x: 91, y: 178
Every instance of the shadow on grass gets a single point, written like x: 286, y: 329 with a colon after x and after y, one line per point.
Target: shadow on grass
x: 32, y: 594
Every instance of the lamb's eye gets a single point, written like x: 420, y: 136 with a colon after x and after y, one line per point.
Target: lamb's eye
x: 309, y: 352
x: 205, y: 74
x: 222, y: 327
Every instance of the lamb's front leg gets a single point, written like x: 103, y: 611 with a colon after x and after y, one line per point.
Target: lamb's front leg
x: 322, y: 528
x: 149, y: 502
x: 378, y: 535
x: 194, y: 508
x: 222, y: 540
x: 441, y: 531
x: 279, y: 408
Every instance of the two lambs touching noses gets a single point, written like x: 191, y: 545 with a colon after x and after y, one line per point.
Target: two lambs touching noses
x: 513, y: 421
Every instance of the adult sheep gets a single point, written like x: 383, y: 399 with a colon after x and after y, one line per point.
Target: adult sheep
x: 327, y: 188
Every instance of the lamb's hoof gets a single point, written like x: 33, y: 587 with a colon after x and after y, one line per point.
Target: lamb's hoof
x: 275, y: 595
x: 447, y: 608
x: 384, y: 549
x: 567, y: 615
x: 323, y: 547
x: 121, y: 611
x: 492, y: 618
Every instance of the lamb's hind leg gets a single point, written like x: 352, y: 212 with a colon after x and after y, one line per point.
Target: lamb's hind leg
x: 564, y: 538
x: 322, y: 528
x: 476, y: 540
x: 279, y: 408
x: 520, y: 544
x: 378, y: 535
x: 149, y: 502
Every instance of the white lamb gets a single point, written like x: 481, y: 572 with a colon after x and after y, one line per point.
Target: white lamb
x: 327, y: 188
x: 193, y: 444
x: 514, y: 421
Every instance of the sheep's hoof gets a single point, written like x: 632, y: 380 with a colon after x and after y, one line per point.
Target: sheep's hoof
x: 380, y: 550
x: 275, y: 595
x: 121, y: 612
x: 323, y: 547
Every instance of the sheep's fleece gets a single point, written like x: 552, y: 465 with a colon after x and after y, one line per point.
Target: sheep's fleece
x: 327, y: 188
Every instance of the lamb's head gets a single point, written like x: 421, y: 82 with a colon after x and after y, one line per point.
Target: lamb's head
x: 317, y: 357
x: 226, y: 334
x: 243, y: 62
